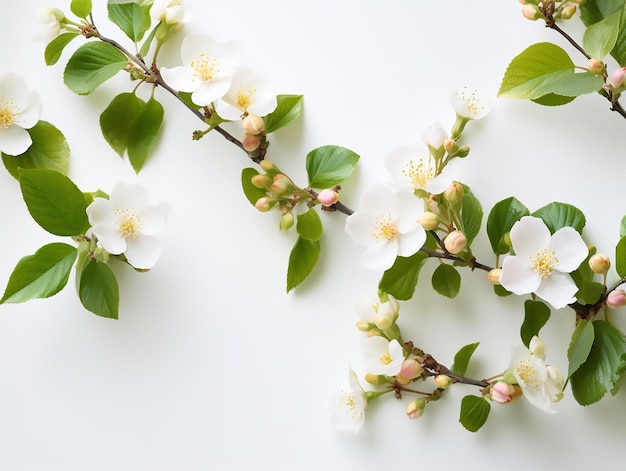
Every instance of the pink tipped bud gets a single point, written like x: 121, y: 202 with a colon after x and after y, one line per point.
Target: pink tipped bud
x: 599, y: 263
x: 250, y: 142
x: 262, y: 182
x: 494, y: 276
x: 453, y: 193
x: 616, y: 80
x: 616, y: 298
x: 416, y: 408
x: 504, y: 393
x: 455, y: 242
x: 281, y: 185
x: 450, y: 146
x: 595, y: 66
x: 409, y: 370
x: 328, y: 197
x: 253, y: 124
x: 263, y: 204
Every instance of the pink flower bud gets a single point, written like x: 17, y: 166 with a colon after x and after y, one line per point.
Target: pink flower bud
x: 531, y: 12
x: 250, y: 142
x: 253, y: 124
x: 415, y: 409
x: 503, y: 393
x: 328, y: 197
x: 616, y: 80
x: 494, y: 276
x: 262, y: 182
x: 281, y: 185
x: 616, y: 298
x: 450, y: 146
x: 455, y: 242
x: 263, y: 204
x: 409, y: 370
x: 595, y: 66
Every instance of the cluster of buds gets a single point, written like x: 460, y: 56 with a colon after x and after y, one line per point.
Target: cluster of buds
x: 280, y: 192
x: 549, y: 9
x: 443, y: 211
x: 254, y: 139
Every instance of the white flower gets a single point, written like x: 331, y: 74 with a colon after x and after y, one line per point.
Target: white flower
x: 412, y: 171
x: 467, y: 104
x: 386, y: 226
x: 19, y: 111
x: 541, y: 384
x: 348, y: 407
x: 49, y: 24
x: 171, y: 12
x: 247, y: 94
x: 434, y: 136
x: 207, y: 69
x: 380, y: 313
x: 127, y: 223
x: 382, y: 357
x: 542, y: 261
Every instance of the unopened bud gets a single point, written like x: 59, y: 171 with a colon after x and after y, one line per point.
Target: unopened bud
x: 264, y: 204
x: 416, y: 408
x: 261, y: 181
x: 253, y: 124
x: 463, y: 151
x: 616, y: 80
x: 267, y: 165
x: 375, y: 380
x: 531, y: 12
x: 599, y: 263
x: 409, y: 370
x: 494, y: 276
x: 363, y: 326
x: 595, y: 66
x: 250, y: 142
x: 616, y: 298
x: 328, y: 197
x: 286, y: 221
x: 504, y: 393
x: 537, y: 347
x: 101, y: 255
x: 568, y: 12
x: 453, y: 193
x: 281, y: 185
x: 455, y: 242
x: 442, y: 381
x: 429, y: 220
x: 450, y: 146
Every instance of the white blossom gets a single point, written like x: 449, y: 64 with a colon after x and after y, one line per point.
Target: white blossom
x: 247, y: 94
x: 348, y: 407
x: 19, y: 110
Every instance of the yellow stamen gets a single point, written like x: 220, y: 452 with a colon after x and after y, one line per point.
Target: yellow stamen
x: 474, y: 108
x: 385, y: 359
x: 206, y: 67
x: 543, y: 262
x: 129, y: 222
x: 526, y: 372
x: 419, y: 175
x: 384, y: 229
x: 7, y: 115
x: 244, y: 97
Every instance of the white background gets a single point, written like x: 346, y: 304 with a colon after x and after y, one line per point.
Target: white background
x: 212, y: 366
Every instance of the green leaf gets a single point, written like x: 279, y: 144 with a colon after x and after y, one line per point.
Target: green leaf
x: 54, y: 49
x: 622, y: 227
x: 144, y: 133
x: 81, y: 8
x: 252, y: 192
x: 309, y: 225
x: 471, y: 214
x: 600, y: 373
x: 91, y: 65
x: 536, y: 314
x: 463, y: 357
x: 620, y: 257
x: 446, y: 280
x: 117, y: 120
x: 288, y: 109
x: 543, y: 69
x: 552, y: 99
x: 590, y: 291
x: 54, y: 201
x: 400, y: 280
x: 330, y: 165
x: 132, y: 18
x: 98, y: 289
x: 501, y: 219
x: 474, y: 412
x: 501, y: 291
x: 593, y: 11
x: 600, y: 37
x: 49, y: 150
x: 302, y: 260
x: 558, y: 215
x: 580, y: 345
x: 40, y: 275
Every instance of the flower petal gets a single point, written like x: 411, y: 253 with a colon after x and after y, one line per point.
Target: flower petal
x: 517, y: 275
x: 569, y: 248
x: 29, y: 115
x: 14, y: 140
x: 558, y: 289
x: 143, y: 252
x: 529, y: 235
x: 380, y: 256
x: 153, y: 218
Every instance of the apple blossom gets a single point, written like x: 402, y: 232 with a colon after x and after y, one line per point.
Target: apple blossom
x: 386, y: 226
x: 411, y: 171
x: 380, y: 313
x: 348, y: 407
x: 468, y: 105
x: 207, y: 69
x: 50, y: 23
x: 127, y: 223
x: 19, y: 110
x: 616, y: 298
x: 382, y: 357
x: 542, y: 262
x: 171, y: 12
x: 247, y: 94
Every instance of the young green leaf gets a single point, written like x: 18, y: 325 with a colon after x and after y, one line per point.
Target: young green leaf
x: 446, y: 280
x: 132, y: 18
x: 600, y: 373
x: 98, y: 289
x: 288, y: 109
x: 593, y: 11
x: 81, y: 8
x: 501, y: 219
x: 91, y: 65
x: 117, y: 120
x: 54, y: 201
x: 309, y: 225
x: 330, y: 165
x: 40, y: 275
x: 463, y: 357
x: 600, y: 38
x: 471, y: 214
x: 252, y: 192
x: 580, y: 345
x: 49, y: 150
x: 622, y: 227
x: 302, y: 260
x: 54, y: 49
x: 536, y: 314
x: 558, y: 215
x: 144, y: 133
x: 474, y: 412
x: 400, y: 280
x: 620, y: 257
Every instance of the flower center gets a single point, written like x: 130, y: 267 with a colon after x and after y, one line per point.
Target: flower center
x: 543, y: 262
x: 206, y: 67
x: 244, y: 97
x: 7, y: 115
x: 474, y: 108
x: 419, y: 175
x: 384, y: 229
x: 129, y: 222
x: 385, y: 359
x: 526, y: 372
